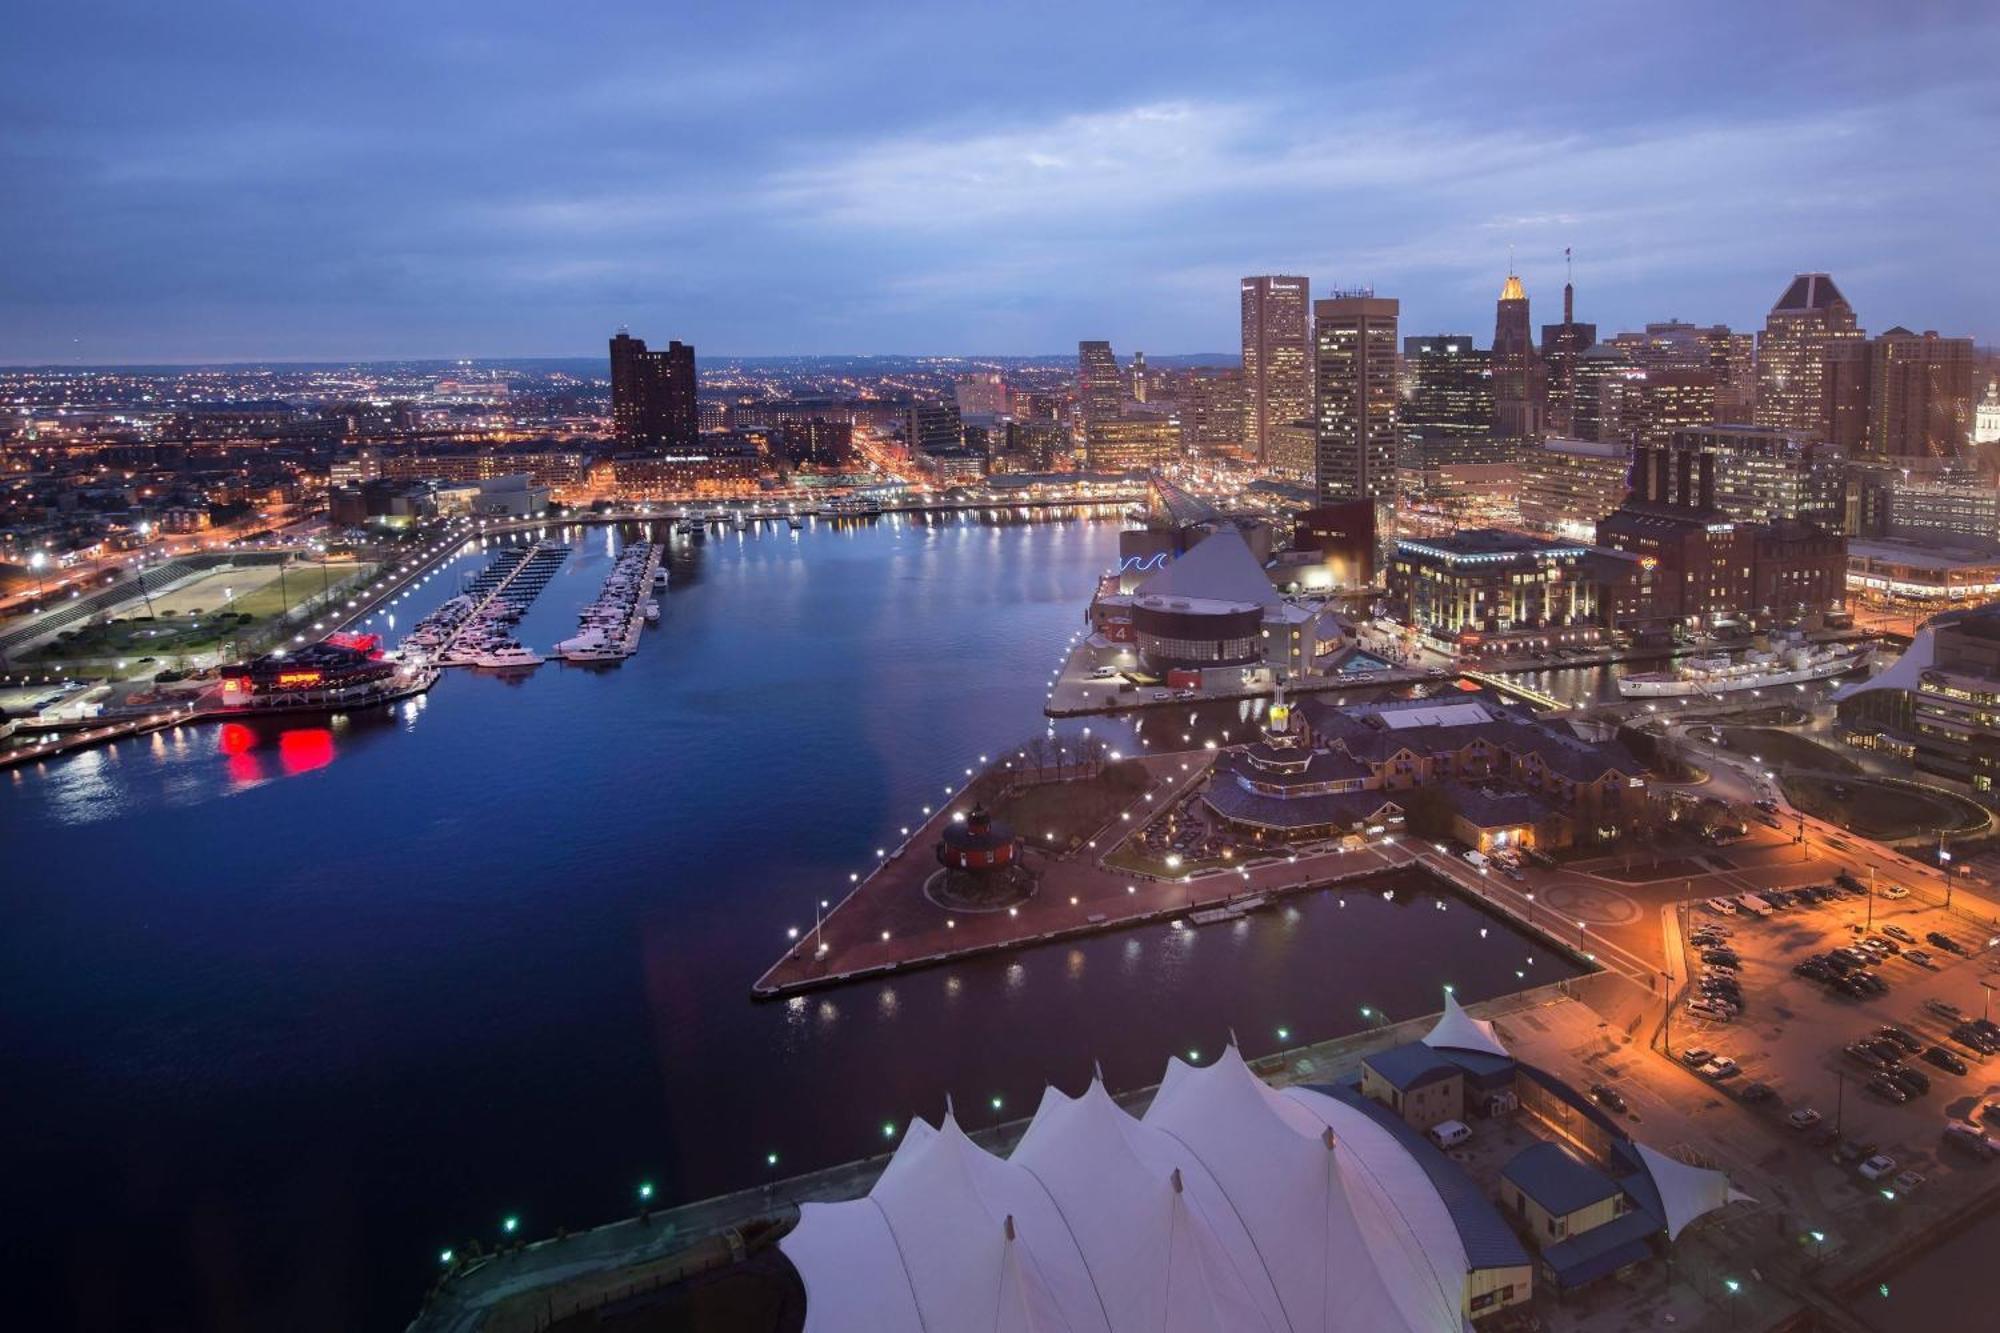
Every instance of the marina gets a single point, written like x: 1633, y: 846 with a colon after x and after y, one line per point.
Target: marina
x: 498, y: 596
x: 608, y: 628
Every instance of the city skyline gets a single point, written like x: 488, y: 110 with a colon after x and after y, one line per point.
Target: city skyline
x: 351, y: 187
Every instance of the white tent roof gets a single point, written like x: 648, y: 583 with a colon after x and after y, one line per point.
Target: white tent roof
x: 1229, y: 1207
x: 1458, y: 1030
x: 1686, y: 1192
x: 1905, y: 673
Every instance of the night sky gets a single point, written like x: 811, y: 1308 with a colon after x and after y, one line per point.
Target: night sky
x: 239, y: 181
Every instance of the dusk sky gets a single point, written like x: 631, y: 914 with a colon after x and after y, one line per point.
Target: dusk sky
x: 250, y: 181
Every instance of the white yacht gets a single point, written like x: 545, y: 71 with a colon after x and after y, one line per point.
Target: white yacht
x: 507, y: 657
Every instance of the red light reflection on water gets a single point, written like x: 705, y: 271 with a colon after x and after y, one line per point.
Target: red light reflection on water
x: 300, y: 750
x: 304, y: 750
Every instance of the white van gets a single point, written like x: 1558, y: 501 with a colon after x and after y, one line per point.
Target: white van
x: 1476, y: 859
x: 1750, y: 902
x: 1450, y: 1133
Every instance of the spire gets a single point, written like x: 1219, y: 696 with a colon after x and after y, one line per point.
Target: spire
x: 1569, y: 289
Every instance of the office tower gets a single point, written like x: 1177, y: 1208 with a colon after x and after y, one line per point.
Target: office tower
x: 1518, y: 374
x: 1920, y: 395
x: 1646, y: 406
x: 1277, y: 358
x: 933, y: 427
x: 1567, y: 485
x: 1449, y: 386
x: 1099, y: 391
x: 1211, y: 411
x: 1354, y: 374
x: 653, y: 396
x: 1804, y: 328
x: 1137, y: 390
x: 1562, y: 345
x: 1600, y: 375
x: 1131, y: 443
x: 1763, y: 475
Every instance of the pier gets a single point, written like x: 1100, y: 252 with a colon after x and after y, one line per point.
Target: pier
x: 886, y: 924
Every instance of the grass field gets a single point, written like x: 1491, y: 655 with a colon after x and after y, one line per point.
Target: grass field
x: 1074, y: 810
x: 1783, y: 749
x: 1883, y: 809
x: 237, y: 605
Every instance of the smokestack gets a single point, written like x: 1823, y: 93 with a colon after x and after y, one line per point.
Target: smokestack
x: 1642, y: 474
x: 1663, y: 477
x: 1707, y: 483
x: 1686, y: 470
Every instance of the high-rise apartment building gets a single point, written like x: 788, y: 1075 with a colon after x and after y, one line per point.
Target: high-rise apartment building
x: 1100, y: 391
x: 1803, y: 330
x: 1519, y: 382
x: 653, y: 396
x: 1562, y: 346
x: 1920, y: 395
x: 1449, y: 386
x: 1354, y: 375
x: 1277, y: 357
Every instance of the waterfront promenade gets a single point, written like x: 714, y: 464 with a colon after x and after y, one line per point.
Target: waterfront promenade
x: 887, y: 924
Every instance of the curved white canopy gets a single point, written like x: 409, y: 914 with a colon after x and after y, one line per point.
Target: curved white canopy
x: 1228, y: 1207
x: 1686, y: 1192
x: 1458, y: 1030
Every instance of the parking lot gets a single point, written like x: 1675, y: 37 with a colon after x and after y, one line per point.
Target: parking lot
x: 1806, y: 1055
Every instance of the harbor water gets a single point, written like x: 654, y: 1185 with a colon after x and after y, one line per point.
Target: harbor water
x: 291, y: 1005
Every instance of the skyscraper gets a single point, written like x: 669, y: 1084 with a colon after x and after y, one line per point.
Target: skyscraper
x: 1277, y: 357
x: 1450, y: 386
x: 1517, y: 372
x: 1802, y: 331
x: 1099, y: 390
x: 1562, y: 344
x: 1354, y: 373
x: 653, y: 396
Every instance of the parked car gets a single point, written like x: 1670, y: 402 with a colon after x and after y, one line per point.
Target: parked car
x: 1888, y: 1089
x: 1697, y: 1056
x: 1720, y: 1068
x: 1944, y: 1059
x: 1803, y: 1118
x: 1608, y: 1097
x: 1943, y: 1009
x: 1970, y: 1139
x: 1851, y: 1151
x: 1894, y: 892
x: 1945, y: 942
x: 1977, y: 1040
x: 1864, y: 1055
x: 1898, y: 933
x: 1913, y: 1080
x: 1756, y: 1092
x: 1919, y: 957
x: 1907, y: 1040
x: 1876, y: 1167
